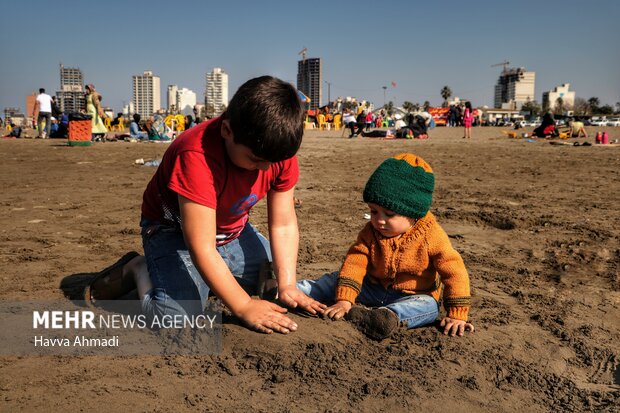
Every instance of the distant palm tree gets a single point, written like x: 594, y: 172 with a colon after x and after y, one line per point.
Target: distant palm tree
x: 426, y: 105
x: 446, y: 92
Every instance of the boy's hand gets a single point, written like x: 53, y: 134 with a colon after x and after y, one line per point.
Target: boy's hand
x: 266, y: 317
x: 454, y: 327
x: 293, y: 298
x: 338, y: 310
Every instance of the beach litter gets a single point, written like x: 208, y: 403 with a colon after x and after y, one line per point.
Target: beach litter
x: 152, y: 162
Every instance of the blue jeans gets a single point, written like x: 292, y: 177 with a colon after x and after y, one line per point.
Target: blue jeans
x: 47, y: 116
x: 412, y: 310
x: 178, y: 287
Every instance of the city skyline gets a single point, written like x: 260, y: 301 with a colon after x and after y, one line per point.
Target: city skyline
x: 419, y: 49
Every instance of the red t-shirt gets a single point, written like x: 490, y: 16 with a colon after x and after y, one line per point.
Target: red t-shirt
x: 197, y: 166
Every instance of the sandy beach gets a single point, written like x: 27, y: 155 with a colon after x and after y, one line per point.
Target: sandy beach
x: 538, y: 227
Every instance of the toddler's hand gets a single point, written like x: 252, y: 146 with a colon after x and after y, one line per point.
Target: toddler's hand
x: 454, y: 327
x: 338, y: 310
x: 292, y: 297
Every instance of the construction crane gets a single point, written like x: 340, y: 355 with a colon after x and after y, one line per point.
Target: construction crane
x: 303, y: 52
x: 505, y: 63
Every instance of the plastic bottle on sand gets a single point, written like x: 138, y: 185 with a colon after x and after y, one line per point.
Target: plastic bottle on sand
x: 154, y: 162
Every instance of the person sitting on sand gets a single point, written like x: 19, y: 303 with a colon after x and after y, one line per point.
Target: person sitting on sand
x: 350, y: 121
x: 134, y: 129
x: 418, y: 125
x: 576, y: 129
x: 401, y: 260
x: 547, y: 127
x: 195, y: 216
x: 16, y: 131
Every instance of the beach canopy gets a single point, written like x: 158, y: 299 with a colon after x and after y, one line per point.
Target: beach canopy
x: 303, y: 97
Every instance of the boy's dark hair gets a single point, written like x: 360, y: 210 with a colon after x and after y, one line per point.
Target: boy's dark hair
x: 266, y: 115
x: 41, y: 90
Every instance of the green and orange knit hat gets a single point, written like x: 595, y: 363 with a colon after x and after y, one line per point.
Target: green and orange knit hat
x: 403, y: 184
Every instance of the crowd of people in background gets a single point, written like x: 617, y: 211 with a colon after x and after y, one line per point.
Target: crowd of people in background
x: 363, y: 122
x: 49, y: 121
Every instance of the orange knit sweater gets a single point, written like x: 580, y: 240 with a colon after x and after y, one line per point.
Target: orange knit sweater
x: 418, y: 262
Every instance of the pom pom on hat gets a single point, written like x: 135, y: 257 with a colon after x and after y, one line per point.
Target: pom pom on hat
x: 403, y: 184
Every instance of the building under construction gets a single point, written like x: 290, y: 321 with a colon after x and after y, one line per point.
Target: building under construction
x: 514, y: 87
x: 71, y: 94
x: 310, y: 79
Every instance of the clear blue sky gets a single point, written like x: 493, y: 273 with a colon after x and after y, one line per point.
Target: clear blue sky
x: 365, y: 45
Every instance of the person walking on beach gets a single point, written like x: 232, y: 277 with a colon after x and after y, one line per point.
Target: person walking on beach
x: 400, y: 261
x: 43, y: 112
x: 195, y: 216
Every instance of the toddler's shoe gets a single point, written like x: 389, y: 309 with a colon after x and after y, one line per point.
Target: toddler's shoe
x: 379, y: 323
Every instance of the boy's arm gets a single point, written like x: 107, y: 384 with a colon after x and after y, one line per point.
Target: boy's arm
x: 284, y: 240
x: 199, y: 230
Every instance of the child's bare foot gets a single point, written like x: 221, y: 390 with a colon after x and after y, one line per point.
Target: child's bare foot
x: 377, y: 323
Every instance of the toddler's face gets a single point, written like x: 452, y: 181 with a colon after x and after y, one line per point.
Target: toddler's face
x: 387, y: 222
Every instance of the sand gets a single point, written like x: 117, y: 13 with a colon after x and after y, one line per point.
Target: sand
x: 538, y: 227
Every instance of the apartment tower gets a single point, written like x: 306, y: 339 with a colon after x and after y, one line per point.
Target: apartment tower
x: 172, y: 98
x: 216, y: 92
x: 550, y: 99
x: 146, y: 94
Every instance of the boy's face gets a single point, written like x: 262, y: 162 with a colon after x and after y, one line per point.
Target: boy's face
x: 387, y: 222
x: 239, y: 154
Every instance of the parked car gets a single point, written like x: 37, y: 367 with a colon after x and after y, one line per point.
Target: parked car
x: 599, y: 122
x: 613, y: 122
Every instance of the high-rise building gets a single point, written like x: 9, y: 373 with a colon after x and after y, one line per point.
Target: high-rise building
x: 71, y: 94
x: 172, y: 98
x: 186, y: 100
x: 514, y: 87
x: 146, y: 94
x: 181, y: 100
x: 310, y: 80
x: 216, y: 92
x: 550, y: 98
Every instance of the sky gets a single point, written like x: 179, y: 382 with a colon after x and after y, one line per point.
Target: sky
x: 364, y: 45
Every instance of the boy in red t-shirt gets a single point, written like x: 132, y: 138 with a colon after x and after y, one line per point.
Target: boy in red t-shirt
x: 195, y: 215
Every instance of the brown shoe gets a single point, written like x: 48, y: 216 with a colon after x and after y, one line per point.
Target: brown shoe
x: 110, y: 284
x: 264, y: 291
x: 379, y: 323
